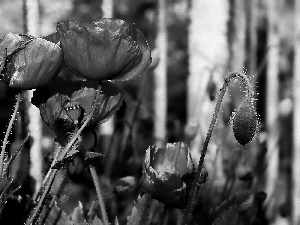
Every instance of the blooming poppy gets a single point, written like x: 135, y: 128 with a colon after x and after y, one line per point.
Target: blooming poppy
x: 106, y: 49
x: 28, y: 62
x: 65, y: 105
x: 164, y: 173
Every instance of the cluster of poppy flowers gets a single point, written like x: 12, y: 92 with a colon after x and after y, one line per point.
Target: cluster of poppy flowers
x: 99, y: 51
x: 95, y: 53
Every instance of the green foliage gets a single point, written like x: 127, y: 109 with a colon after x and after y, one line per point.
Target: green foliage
x: 228, y: 212
x: 140, y: 211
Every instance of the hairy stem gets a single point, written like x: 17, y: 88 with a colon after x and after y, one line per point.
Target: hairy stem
x: 48, y: 181
x: 193, y: 195
x: 99, y: 194
x: 11, y: 122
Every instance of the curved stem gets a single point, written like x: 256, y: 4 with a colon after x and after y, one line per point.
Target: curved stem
x: 193, y: 195
x: 11, y: 122
x: 99, y: 194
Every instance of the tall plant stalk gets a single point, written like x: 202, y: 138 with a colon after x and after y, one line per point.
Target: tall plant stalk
x: 9, y: 128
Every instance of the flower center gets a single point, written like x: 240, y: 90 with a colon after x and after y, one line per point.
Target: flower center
x: 73, y: 111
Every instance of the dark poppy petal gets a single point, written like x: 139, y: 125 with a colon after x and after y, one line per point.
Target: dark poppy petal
x: 34, y: 66
x: 108, y: 103
x: 88, y: 52
x: 52, y: 110
x: 163, y: 172
x: 54, y: 38
x: 12, y: 42
x: 117, y: 25
x: 143, y: 64
x: 104, y: 50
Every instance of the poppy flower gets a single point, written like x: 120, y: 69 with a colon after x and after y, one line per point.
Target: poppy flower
x: 165, y: 171
x: 28, y: 62
x: 106, y: 49
x: 65, y: 105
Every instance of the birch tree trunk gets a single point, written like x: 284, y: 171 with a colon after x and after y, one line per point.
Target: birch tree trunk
x: 237, y: 35
x: 252, y: 15
x: 272, y: 100
x: 237, y: 42
x: 160, y: 77
x: 296, y: 123
x: 32, y: 27
x: 208, y: 53
x: 106, y: 129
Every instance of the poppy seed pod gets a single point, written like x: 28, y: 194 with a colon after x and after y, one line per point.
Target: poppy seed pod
x: 64, y: 110
x: 28, y: 62
x: 107, y: 49
x: 164, y: 173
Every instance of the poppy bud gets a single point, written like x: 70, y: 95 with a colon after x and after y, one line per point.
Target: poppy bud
x: 163, y: 172
x: 29, y: 62
x: 245, y: 123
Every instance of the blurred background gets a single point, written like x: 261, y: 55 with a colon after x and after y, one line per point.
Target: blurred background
x: 195, y: 45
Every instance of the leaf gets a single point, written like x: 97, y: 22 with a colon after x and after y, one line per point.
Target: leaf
x: 116, y: 221
x: 139, y: 214
x: 227, y: 218
x: 97, y: 221
x: 54, y: 216
x: 77, y: 215
x: 228, y: 211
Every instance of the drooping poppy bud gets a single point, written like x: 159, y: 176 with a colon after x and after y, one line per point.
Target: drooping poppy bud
x: 106, y: 49
x: 164, y: 173
x: 29, y: 62
x: 245, y: 123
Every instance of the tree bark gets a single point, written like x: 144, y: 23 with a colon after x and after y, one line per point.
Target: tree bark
x: 32, y: 27
x: 106, y: 129
x: 160, y: 77
x: 208, y: 56
x: 296, y: 122
x: 272, y: 100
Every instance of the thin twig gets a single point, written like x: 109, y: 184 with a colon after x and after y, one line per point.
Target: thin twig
x: 12, y: 119
x: 99, y: 194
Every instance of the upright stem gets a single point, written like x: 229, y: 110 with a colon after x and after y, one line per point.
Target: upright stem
x: 193, y: 196
x: 11, y: 122
x: 164, y: 214
x: 48, y: 181
x: 99, y: 194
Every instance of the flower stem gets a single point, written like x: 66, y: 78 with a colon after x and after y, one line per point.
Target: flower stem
x: 12, y: 119
x: 193, y: 195
x: 162, y: 220
x: 99, y: 194
x: 49, y: 178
